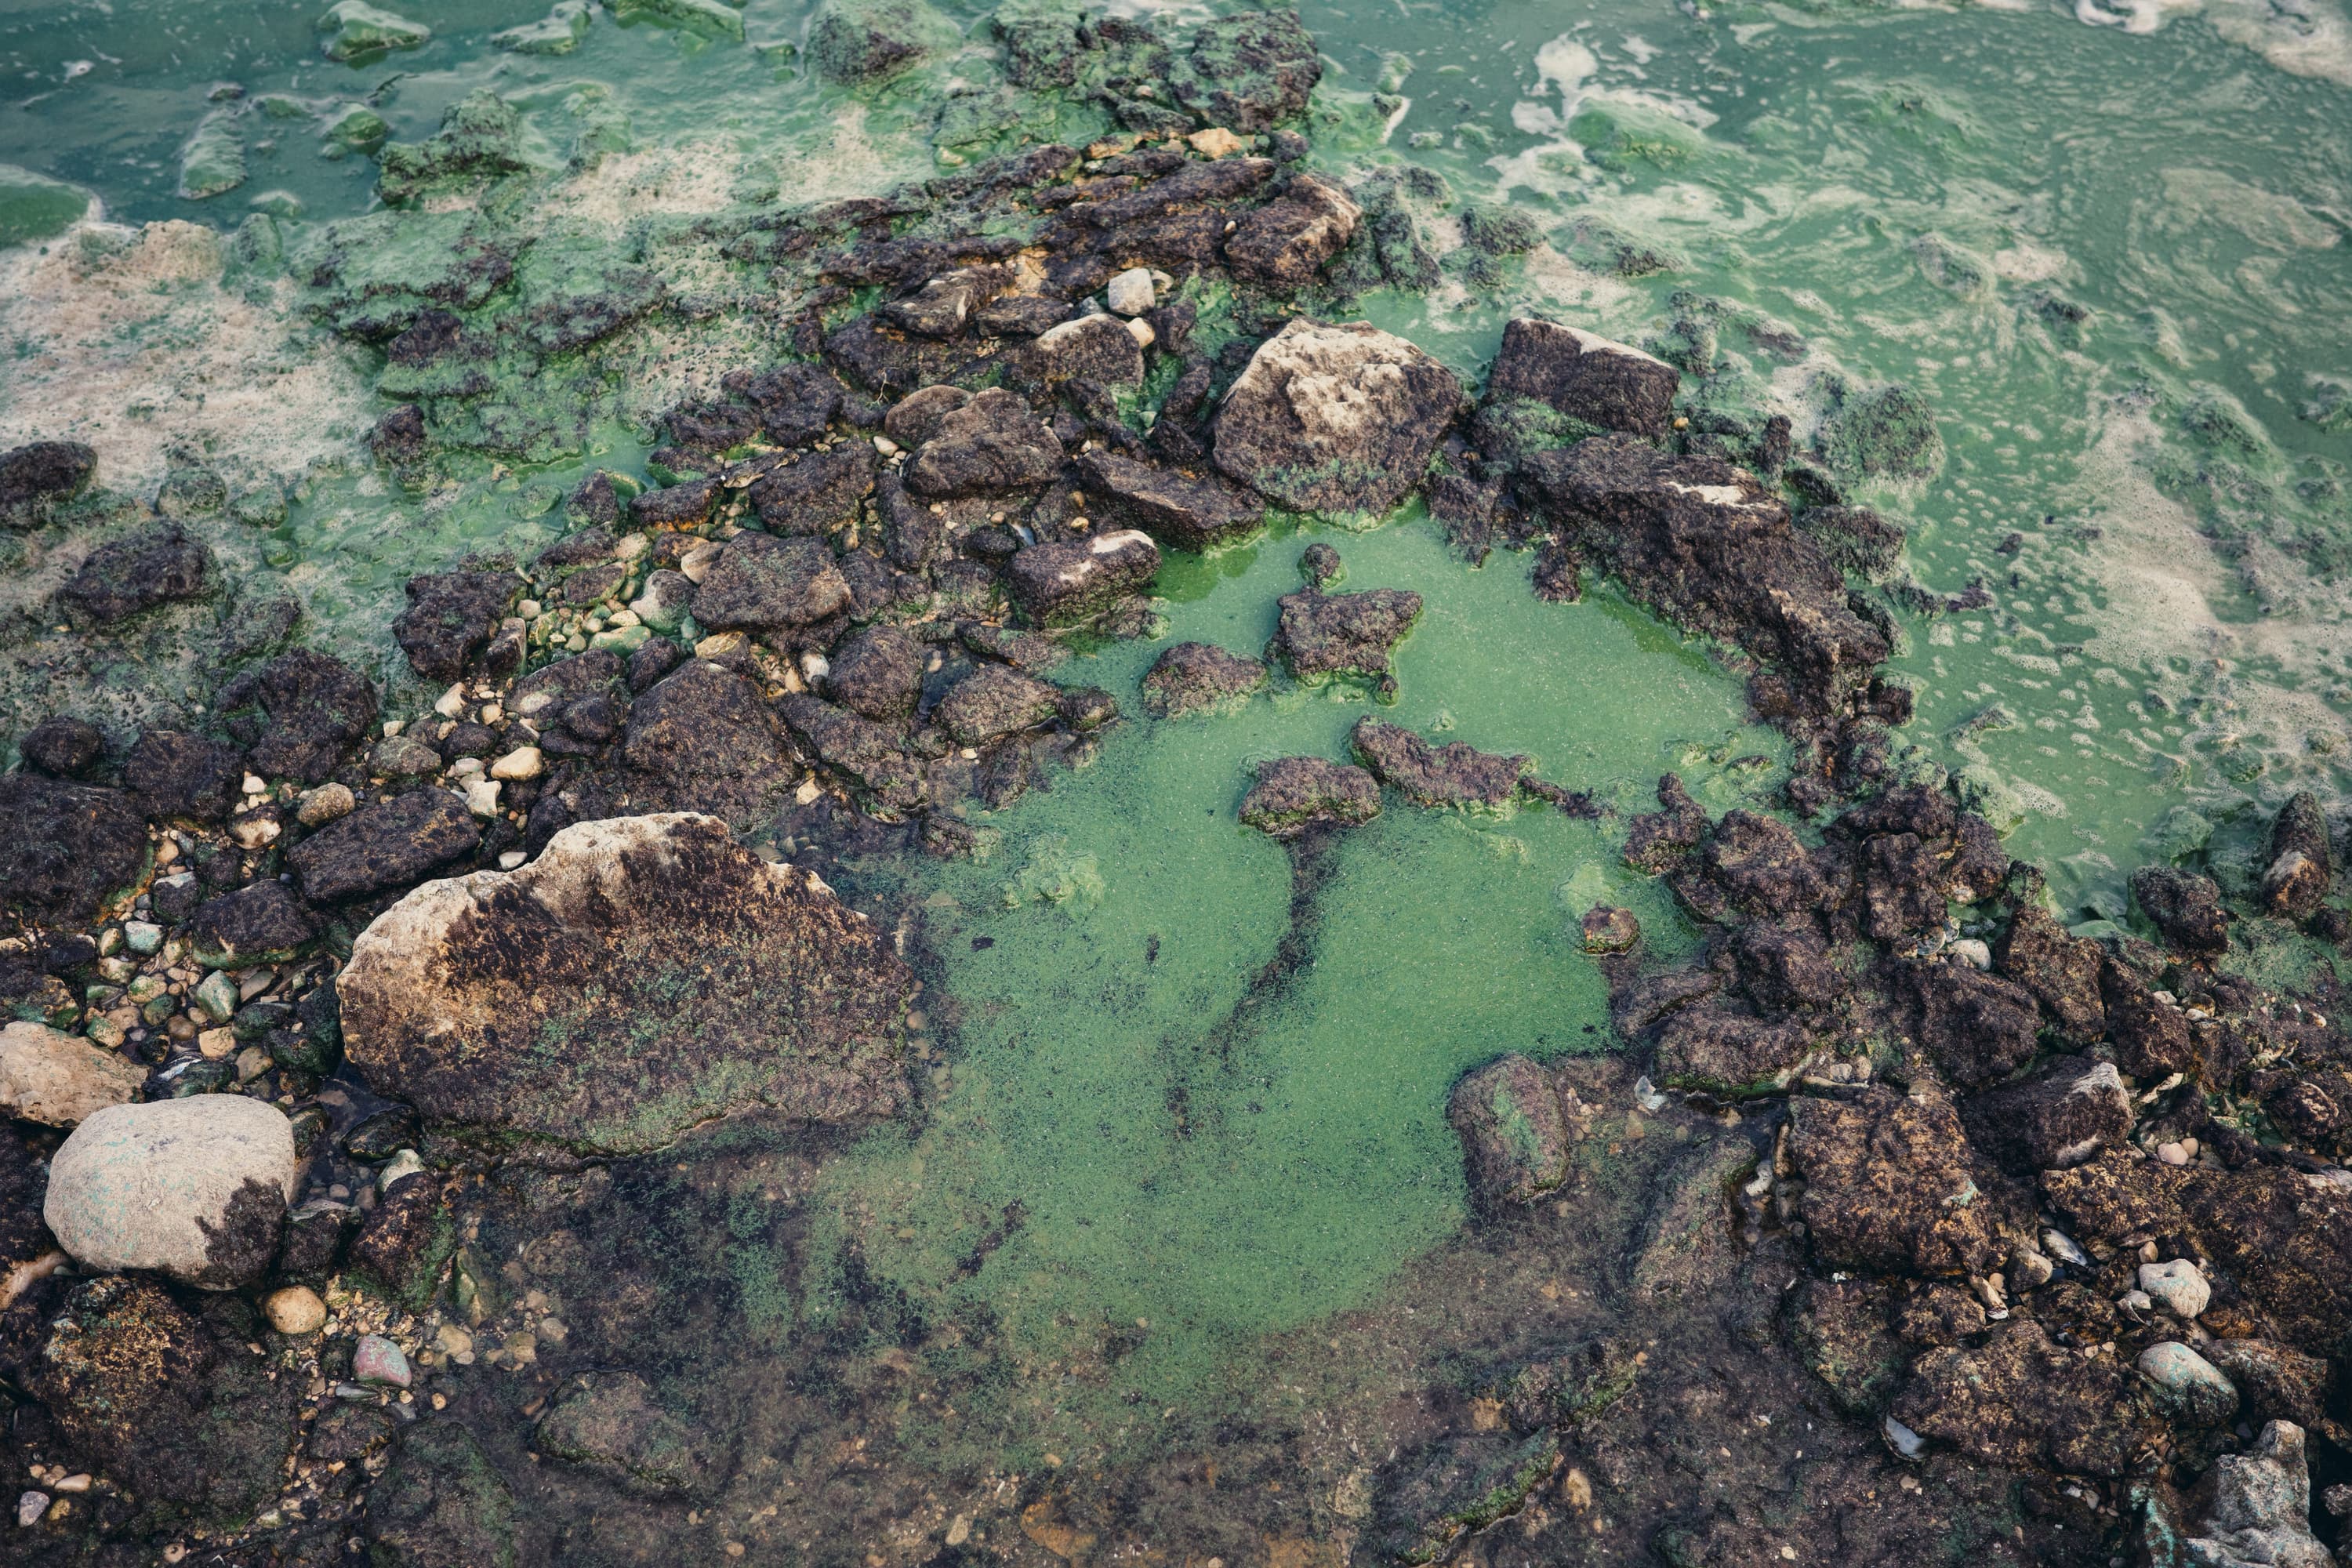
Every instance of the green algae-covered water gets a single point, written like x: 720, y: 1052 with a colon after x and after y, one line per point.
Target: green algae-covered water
x: 2108, y: 257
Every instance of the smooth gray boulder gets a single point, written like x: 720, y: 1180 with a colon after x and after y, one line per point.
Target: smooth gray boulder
x: 194, y: 1188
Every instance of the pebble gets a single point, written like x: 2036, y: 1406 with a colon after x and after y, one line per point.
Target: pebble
x: 882, y: 443
x: 253, y: 831
x: 2177, y: 1285
x: 1905, y: 1441
x: 452, y: 702
x: 1130, y: 292
x: 319, y: 806
x: 403, y: 1164
x: 1970, y: 952
x: 144, y: 937
x: 528, y: 609
x: 630, y: 546
x: 252, y: 784
x: 2060, y: 1245
x: 1217, y: 142
x: 482, y: 797
x: 2172, y: 1153
x: 510, y: 859
x: 217, y: 996
x: 296, y: 1309
x: 522, y: 763
x: 217, y: 1045
x: 1140, y: 330
x: 379, y: 1360
x: 29, y: 1509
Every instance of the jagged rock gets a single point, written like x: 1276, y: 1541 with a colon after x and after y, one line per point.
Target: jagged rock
x: 403, y: 1246
x: 1725, y: 1049
x: 1295, y: 793
x: 2019, y: 1402
x: 1099, y: 349
x: 855, y: 41
x: 795, y: 403
x: 1452, y: 775
x: 1455, y: 1488
x: 157, y: 566
x: 2061, y: 972
x: 263, y: 922
x: 1888, y: 1185
x: 1657, y: 840
x: 762, y: 584
x: 1606, y: 928
x: 2188, y: 1387
x: 678, y: 978
x: 1977, y: 1027
x: 1602, y: 384
x: 615, y: 1425
x: 944, y: 304
x: 2300, y: 864
x: 441, y: 1503
x: 63, y: 746
x: 2151, y: 1040
x: 2185, y: 906
x: 1249, y: 71
x: 1190, y: 514
x: 1334, y: 418
x: 2061, y: 1118
x: 1343, y: 634
x: 2257, y: 1509
x: 1708, y: 545
x: 1196, y: 677
x: 871, y: 757
x: 704, y: 740
x: 316, y: 707
x: 40, y: 476
x: 450, y: 619
x: 189, y: 1420
x: 992, y: 702
x: 815, y: 495
x: 1751, y: 864
x: 1285, y: 243
x: 60, y: 1080
x: 1786, y: 964
x: 1071, y: 579
x: 64, y: 848
x: 1856, y: 539
x: 2273, y: 1383
x: 878, y: 674
x: 993, y: 444
x: 1518, y: 1123
x: 382, y: 847
x: 194, y: 1188
x: 172, y: 774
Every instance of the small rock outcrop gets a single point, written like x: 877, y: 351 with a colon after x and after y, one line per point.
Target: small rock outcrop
x: 60, y: 1080
x: 1587, y: 377
x: 1337, y: 418
x: 1294, y: 793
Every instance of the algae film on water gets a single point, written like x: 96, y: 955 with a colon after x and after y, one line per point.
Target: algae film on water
x: 919, y: 784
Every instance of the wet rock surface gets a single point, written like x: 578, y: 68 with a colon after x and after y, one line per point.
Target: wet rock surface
x: 1294, y: 793
x: 1194, y: 678
x: 1334, y: 418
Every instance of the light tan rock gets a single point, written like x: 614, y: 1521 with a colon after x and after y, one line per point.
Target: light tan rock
x: 296, y: 1309
x: 59, y: 1078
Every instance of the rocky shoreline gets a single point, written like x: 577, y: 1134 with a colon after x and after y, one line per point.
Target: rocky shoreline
x: 353, y: 1047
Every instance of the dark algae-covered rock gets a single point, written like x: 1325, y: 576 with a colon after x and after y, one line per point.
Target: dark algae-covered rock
x: 1607, y: 386
x: 1334, y: 418
x: 156, y: 566
x: 441, y: 1503
x: 382, y: 846
x: 67, y: 848
x: 313, y: 708
x: 1343, y: 634
x: 767, y: 584
x: 1518, y: 1123
x: 450, y: 619
x: 1455, y: 1487
x: 40, y: 476
x: 2185, y: 907
x: 642, y: 976
x: 1071, y: 579
x: 1178, y: 509
x: 1294, y: 793
x: 1194, y: 678
x: 1451, y: 775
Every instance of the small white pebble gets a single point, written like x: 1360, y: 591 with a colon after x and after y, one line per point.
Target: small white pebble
x: 2172, y: 1153
x: 1140, y: 330
x: 522, y: 763
x: 887, y: 446
x: 252, y: 784
x: 492, y: 712
x: 482, y: 797
x: 632, y: 545
x: 452, y: 702
x: 527, y: 610
x: 510, y: 859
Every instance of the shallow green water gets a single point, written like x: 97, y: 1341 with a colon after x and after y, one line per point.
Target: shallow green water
x: 2114, y: 263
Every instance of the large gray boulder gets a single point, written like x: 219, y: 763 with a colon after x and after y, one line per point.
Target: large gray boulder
x: 194, y: 1188
x: 643, y: 976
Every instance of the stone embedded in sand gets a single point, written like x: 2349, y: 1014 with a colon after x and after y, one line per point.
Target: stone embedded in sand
x: 642, y: 976
x: 194, y: 1188
x: 1586, y: 376
x: 1334, y: 418
x: 442, y: 1503
x: 59, y: 1078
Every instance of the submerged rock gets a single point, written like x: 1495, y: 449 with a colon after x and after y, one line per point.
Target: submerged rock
x: 1196, y: 677
x: 1587, y: 377
x: 1456, y: 1487
x: 615, y: 1424
x: 1293, y: 794
x: 642, y: 976
x: 1249, y: 71
x: 854, y: 41
x: 441, y: 1503
x: 1334, y: 418
x: 194, y: 1188
x: 355, y: 32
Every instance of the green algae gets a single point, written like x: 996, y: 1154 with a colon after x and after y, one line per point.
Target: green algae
x: 34, y: 208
